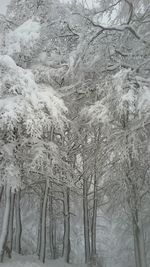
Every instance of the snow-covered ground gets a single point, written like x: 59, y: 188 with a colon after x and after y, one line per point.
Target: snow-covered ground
x: 31, y: 261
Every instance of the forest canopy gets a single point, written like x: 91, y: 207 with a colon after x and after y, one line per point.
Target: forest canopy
x: 74, y: 132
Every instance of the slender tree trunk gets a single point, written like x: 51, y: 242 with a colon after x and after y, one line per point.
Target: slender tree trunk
x: 139, y: 246
x: 5, y: 225
x: 51, y: 227
x: 142, y: 245
x: 11, y: 220
x: 1, y: 192
x: 66, y: 243
x: 86, y: 221
x: 18, y: 223
x: 54, y: 238
x: 43, y: 228
x: 94, y: 219
x: 39, y: 228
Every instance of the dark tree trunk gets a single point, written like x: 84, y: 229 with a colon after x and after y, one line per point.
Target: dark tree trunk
x: 1, y: 192
x: 54, y: 238
x: 52, y: 227
x: 43, y: 228
x: 94, y: 219
x: 86, y: 221
x: 11, y: 221
x: 18, y: 223
x: 39, y: 228
x: 139, y: 245
x: 4, y: 231
x: 66, y: 240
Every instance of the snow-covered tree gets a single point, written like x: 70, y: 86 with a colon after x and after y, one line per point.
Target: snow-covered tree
x: 123, y: 116
x: 93, y: 65
x: 28, y: 112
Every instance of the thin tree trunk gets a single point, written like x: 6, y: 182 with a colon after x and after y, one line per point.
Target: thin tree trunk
x: 139, y: 246
x: 11, y: 220
x: 1, y: 192
x: 54, y: 238
x: 142, y: 245
x: 39, y: 228
x: 51, y: 225
x: 5, y: 225
x: 86, y: 221
x: 43, y: 228
x: 94, y: 219
x: 66, y: 240
x: 18, y: 224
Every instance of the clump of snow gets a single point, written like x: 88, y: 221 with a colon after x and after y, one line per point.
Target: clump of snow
x: 7, y: 61
x: 119, y: 79
x: 12, y: 176
x: 96, y: 114
x: 23, y: 38
x: 125, y: 91
x: 14, y: 80
x: 133, y: 92
x: 144, y: 94
x: 37, y: 106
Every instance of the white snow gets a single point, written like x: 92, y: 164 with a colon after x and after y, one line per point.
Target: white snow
x: 26, y: 106
x: 97, y: 113
x: 24, y: 37
x: 31, y: 261
x: 7, y: 61
x: 26, y: 100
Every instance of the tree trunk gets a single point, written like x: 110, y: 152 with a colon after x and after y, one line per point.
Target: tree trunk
x: 5, y: 225
x: 11, y: 220
x: 94, y: 219
x: 54, y: 238
x: 86, y: 221
x: 43, y: 228
x: 51, y: 227
x: 1, y: 192
x: 39, y: 228
x: 18, y: 224
x: 142, y: 246
x: 66, y: 240
x: 139, y: 246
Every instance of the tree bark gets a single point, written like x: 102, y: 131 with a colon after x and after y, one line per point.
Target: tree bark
x: 11, y: 220
x: 66, y: 240
x: 54, y: 238
x: 43, y: 226
x: 142, y: 245
x: 52, y: 227
x: 18, y: 223
x: 1, y: 192
x: 39, y: 228
x: 86, y: 221
x: 139, y: 245
x: 94, y: 219
x: 5, y: 225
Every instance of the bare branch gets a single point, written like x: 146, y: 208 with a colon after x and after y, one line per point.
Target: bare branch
x: 120, y: 28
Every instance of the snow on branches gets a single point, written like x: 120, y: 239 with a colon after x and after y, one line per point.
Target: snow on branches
x: 27, y: 110
x: 22, y: 43
x: 26, y: 105
x: 125, y: 96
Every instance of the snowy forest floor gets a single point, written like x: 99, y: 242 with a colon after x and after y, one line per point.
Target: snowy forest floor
x: 31, y: 261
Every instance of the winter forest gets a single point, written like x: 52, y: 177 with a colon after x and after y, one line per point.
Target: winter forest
x: 74, y: 133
